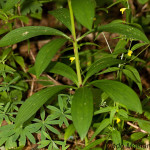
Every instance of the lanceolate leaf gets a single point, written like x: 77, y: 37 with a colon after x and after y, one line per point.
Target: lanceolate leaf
x: 120, y: 93
x: 95, y: 143
x: 5, y: 68
x: 69, y: 131
x: 82, y: 110
x: 46, y: 53
x: 116, y: 138
x: 121, y: 44
x: 84, y: 11
x: 25, y: 33
x: 136, y: 46
x: 101, y: 127
x: 33, y: 103
x: 62, y: 69
x: 134, y: 77
x: 144, y: 125
x: 143, y: 1
x: 10, y: 4
x: 134, y: 71
x: 20, y: 61
x: 63, y: 16
x: 128, y: 31
x: 111, y: 69
x: 137, y: 135
x: 101, y: 64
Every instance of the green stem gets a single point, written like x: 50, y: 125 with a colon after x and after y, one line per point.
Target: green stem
x: 139, y: 53
x: 75, y: 45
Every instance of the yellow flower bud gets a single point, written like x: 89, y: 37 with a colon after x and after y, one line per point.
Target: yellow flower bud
x: 72, y: 59
x: 130, y: 52
x: 118, y: 120
x: 94, y: 19
x: 122, y: 10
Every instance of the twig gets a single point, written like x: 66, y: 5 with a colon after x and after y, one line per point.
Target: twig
x: 19, y: 12
x: 107, y: 42
x: 33, y: 57
x: 32, y: 86
x: 136, y: 127
x: 53, y: 80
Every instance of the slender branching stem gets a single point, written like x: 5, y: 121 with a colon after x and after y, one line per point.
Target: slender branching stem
x: 75, y: 45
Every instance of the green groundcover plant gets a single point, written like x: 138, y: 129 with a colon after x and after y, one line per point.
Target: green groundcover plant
x: 105, y: 106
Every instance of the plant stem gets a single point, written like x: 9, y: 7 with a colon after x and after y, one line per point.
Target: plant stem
x: 139, y: 53
x: 75, y: 45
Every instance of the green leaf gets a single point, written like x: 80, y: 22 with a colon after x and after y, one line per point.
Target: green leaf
x: 103, y: 110
x: 44, y: 143
x: 111, y: 69
x: 25, y: 33
x: 144, y: 125
x: 69, y: 131
x: 143, y: 1
x: 52, y: 129
x: 3, y: 140
x: 30, y: 137
x: 133, y: 74
x: 5, y: 54
x: 33, y: 103
x: 116, y: 138
x: 136, y: 136
x: 20, y: 61
x: 123, y: 113
x: 118, y: 51
x: 93, y: 144
x: 63, y: 16
x: 46, y: 53
x: 6, y: 68
x: 62, y: 69
x: 120, y: 45
x: 25, y: 19
x: 2, y: 31
x: 30, y: 6
x: 15, y: 95
x: 134, y: 71
x: 120, y: 93
x: 101, y: 127
x: 3, y: 17
x: 9, y: 143
x: 128, y: 31
x: 112, y: 114
x: 118, y: 1
x: 82, y: 110
x: 136, y: 46
x: 84, y: 11
x: 17, y: 148
x: 10, y: 4
x: 101, y: 64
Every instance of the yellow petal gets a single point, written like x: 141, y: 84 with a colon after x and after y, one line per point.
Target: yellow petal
x: 130, y: 52
x: 118, y: 120
x: 94, y: 19
x: 72, y: 59
x: 122, y: 10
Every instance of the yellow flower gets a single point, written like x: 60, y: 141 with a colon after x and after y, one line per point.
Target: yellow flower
x: 94, y: 19
x: 122, y: 10
x: 118, y: 120
x: 130, y: 52
x: 72, y: 59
